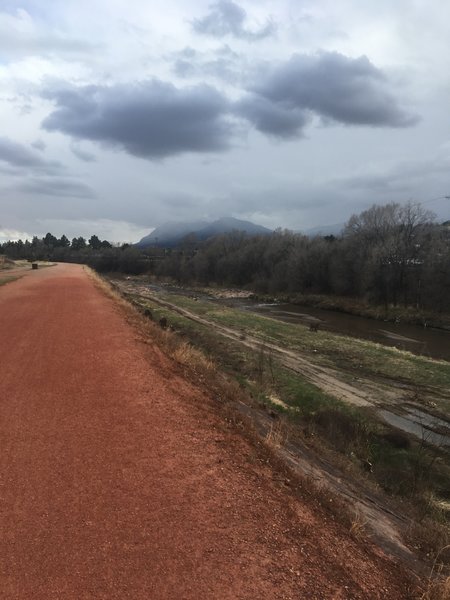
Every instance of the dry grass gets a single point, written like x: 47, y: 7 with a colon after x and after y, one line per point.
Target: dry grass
x: 432, y: 539
x: 186, y: 354
x: 437, y: 590
x: 108, y: 288
x: 198, y: 368
x: 278, y: 434
x: 437, y: 586
x: 358, y: 527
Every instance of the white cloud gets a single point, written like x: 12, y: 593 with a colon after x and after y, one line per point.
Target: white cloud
x: 21, y: 35
x: 13, y: 235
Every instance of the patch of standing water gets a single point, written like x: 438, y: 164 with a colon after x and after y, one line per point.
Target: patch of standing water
x: 421, y: 425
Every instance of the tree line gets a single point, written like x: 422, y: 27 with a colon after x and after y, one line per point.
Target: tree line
x: 49, y: 246
x: 99, y: 254
x: 396, y: 254
x: 388, y: 255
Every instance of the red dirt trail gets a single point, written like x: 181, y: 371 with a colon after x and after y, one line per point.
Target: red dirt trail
x: 120, y: 480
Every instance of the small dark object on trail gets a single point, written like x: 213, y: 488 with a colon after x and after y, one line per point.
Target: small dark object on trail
x: 314, y: 326
x: 34, y: 266
x: 148, y: 313
x: 163, y: 322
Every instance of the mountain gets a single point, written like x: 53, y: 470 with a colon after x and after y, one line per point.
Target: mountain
x: 324, y: 230
x: 227, y: 224
x: 171, y: 234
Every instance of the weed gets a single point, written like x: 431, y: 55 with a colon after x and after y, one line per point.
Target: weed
x: 278, y: 434
x: 432, y: 539
x: 437, y: 590
x: 358, y: 527
x: 186, y: 354
x: 438, y: 586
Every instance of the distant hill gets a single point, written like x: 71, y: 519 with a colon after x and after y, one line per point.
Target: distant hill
x: 171, y: 234
x: 325, y: 230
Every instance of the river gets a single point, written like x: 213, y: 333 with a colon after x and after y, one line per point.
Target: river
x: 425, y: 341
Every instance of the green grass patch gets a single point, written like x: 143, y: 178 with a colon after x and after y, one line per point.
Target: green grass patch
x: 348, y: 355
x: 400, y: 465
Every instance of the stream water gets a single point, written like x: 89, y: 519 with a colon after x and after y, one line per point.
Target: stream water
x: 425, y: 341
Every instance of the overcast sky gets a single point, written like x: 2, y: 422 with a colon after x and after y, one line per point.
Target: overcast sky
x: 117, y: 116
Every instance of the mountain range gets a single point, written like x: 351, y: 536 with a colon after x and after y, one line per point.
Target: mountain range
x: 171, y: 234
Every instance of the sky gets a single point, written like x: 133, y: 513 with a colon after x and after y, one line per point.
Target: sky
x: 117, y: 117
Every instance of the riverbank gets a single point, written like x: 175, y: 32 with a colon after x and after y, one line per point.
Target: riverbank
x: 343, y: 318
x: 341, y: 304
x: 360, y: 308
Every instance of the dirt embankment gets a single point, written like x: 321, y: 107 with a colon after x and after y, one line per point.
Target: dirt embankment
x: 119, y: 479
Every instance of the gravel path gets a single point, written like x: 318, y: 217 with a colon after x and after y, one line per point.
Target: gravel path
x: 119, y: 479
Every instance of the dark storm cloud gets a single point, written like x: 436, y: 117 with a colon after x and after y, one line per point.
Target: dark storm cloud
x: 273, y: 118
x: 227, y: 18
x: 155, y: 119
x: 20, y: 157
x: 151, y: 119
x: 60, y: 187
x: 334, y: 87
